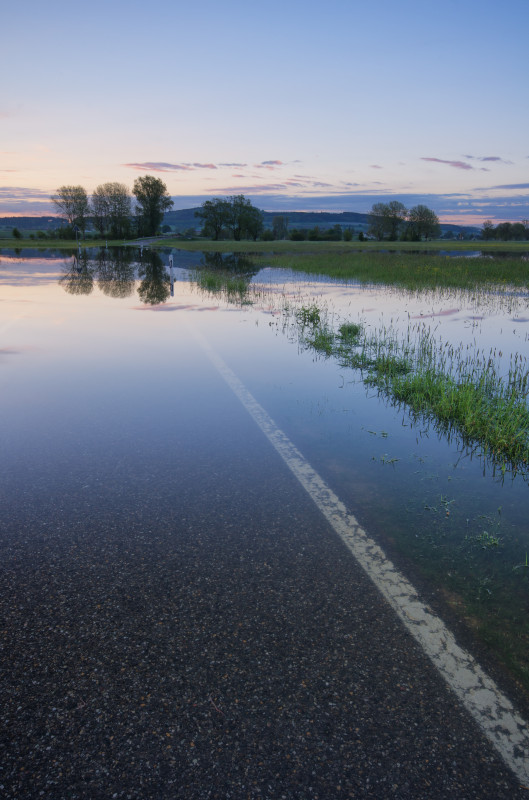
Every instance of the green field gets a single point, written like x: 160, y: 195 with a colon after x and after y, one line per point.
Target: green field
x: 397, y: 263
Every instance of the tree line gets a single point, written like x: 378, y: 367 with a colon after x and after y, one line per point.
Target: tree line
x: 393, y: 221
x: 506, y: 231
x: 233, y: 217
x: 110, y: 208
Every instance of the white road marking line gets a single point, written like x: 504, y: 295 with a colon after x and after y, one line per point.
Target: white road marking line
x: 494, y: 713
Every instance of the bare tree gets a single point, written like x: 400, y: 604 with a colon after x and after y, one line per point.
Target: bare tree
x: 423, y: 223
x: 387, y: 219
x: 72, y: 202
x: 111, y: 209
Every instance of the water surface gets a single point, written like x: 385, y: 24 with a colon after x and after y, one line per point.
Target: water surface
x: 100, y: 370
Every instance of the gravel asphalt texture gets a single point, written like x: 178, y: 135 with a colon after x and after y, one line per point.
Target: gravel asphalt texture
x: 179, y: 621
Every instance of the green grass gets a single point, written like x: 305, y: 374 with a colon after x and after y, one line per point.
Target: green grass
x: 321, y: 248
x: 56, y: 244
x: 360, y: 261
x: 234, y: 287
x: 365, y: 263
x: 457, y: 390
x: 409, y: 270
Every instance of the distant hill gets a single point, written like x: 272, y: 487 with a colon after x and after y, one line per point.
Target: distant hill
x: 185, y: 219
x: 31, y: 223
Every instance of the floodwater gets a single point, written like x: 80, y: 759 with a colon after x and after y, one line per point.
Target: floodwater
x: 95, y: 351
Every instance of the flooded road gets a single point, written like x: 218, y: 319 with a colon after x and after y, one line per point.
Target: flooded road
x: 179, y: 617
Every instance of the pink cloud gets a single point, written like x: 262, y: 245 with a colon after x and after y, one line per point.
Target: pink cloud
x: 165, y: 166
x: 257, y: 189
x: 158, y: 166
x: 455, y: 164
x: 490, y: 158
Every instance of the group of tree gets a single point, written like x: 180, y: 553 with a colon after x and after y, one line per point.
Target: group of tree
x: 506, y: 231
x: 110, y: 207
x: 230, y: 218
x: 394, y: 221
x: 317, y: 234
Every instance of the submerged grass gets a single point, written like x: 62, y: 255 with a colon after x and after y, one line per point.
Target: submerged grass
x: 408, y: 270
x: 234, y: 287
x: 458, y: 389
x: 424, y: 265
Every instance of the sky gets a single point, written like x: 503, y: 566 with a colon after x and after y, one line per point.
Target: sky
x: 298, y: 105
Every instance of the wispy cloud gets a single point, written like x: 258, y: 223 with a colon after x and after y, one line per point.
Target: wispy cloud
x: 158, y: 166
x: 17, y: 201
x: 165, y: 166
x: 188, y: 166
x: 489, y: 158
x: 455, y: 164
x: 503, y: 186
x: 376, y: 166
x: 258, y: 188
x: 269, y: 165
x: 18, y: 193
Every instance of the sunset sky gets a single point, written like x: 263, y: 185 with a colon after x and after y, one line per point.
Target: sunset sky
x: 297, y: 104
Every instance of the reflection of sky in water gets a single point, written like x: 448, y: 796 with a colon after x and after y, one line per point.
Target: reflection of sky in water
x: 101, y: 396
x: 88, y: 363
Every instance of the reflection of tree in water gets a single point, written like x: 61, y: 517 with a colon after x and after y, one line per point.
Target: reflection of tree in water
x: 78, y: 275
x: 116, y: 271
x: 155, y: 284
x: 231, y: 262
x: 226, y: 274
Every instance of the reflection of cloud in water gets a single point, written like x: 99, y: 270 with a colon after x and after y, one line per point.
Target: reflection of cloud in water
x: 175, y: 308
x: 447, y: 313
x: 15, y: 351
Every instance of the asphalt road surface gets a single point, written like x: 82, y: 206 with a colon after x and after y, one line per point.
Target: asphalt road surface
x: 179, y: 620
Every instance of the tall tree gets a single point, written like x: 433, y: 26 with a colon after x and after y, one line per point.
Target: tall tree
x: 72, y: 202
x: 235, y: 215
x: 386, y: 219
x: 214, y: 215
x: 244, y: 219
x: 504, y: 231
x: 488, y: 231
x: 100, y: 209
x: 111, y: 209
x: 423, y: 223
x: 280, y: 227
x: 153, y: 201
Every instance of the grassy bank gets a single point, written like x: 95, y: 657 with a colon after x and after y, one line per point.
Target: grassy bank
x: 399, y: 265
x: 411, y: 270
x: 44, y: 245
x: 402, y: 267
x: 448, y: 385
x: 320, y: 248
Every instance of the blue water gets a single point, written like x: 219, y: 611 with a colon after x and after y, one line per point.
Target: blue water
x: 100, y: 369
